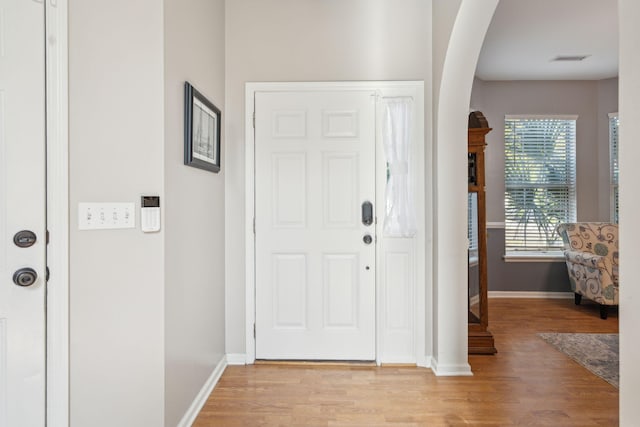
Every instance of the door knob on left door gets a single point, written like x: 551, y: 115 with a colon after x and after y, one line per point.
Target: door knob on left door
x: 25, y: 277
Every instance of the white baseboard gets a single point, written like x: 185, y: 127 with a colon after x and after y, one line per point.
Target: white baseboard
x: 424, y: 362
x: 396, y: 361
x: 236, y: 359
x: 197, y: 404
x: 532, y: 294
x: 451, y: 370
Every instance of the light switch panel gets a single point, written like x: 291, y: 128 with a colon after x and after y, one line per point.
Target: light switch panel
x: 101, y: 216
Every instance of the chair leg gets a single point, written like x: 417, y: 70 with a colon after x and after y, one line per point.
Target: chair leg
x: 604, y: 311
x: 578, y: 298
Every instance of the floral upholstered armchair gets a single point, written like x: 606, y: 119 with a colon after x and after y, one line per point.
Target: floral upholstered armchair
x: 591, y: 254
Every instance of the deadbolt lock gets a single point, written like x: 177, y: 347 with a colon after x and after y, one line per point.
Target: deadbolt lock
x: 24, y: 238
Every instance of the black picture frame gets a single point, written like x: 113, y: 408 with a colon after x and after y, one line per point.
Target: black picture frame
x: 201, y: 131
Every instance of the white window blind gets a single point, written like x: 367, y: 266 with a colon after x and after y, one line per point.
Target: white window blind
x: 540, y: 181
x: 614, y: 123
x: 472, y: 224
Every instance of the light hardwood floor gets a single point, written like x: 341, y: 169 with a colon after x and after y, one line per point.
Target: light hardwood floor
x: 527, y: 383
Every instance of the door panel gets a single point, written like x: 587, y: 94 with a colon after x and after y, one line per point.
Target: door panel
x: 290, y: 281
x: 315, y: 277
x: 289, y: 189
x: 22, y: 207
x: 340, y: 176
x: 341, y: 283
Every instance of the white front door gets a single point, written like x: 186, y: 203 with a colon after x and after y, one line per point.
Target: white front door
x: 22, y: 207
x: 315, y: 275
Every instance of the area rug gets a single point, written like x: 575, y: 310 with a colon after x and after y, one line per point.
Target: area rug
x: 596, y: 352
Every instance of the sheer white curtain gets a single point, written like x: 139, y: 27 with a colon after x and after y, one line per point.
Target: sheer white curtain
x: 400, y: 217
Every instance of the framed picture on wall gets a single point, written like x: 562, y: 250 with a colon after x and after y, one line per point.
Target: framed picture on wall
x: 201, y: 131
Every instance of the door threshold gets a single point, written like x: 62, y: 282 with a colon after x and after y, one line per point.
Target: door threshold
x: 367, y: 363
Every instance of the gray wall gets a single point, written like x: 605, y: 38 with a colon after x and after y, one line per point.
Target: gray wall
x: 193, y: 208
x: 591, y: 101
x: 305, y: 40
x: 522, y: 276
x: 607, y: 103
x: 116, y: 154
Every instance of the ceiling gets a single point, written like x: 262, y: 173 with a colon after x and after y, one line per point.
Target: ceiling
x: 526, y: 35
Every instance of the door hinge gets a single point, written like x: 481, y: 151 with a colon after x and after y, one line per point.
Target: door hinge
x: 254, y: 119
x: 254, y: 225
x: 254, y: 330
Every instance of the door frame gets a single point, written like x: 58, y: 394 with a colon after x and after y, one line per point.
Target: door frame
x: 420, y: 292
x: 57, y: 136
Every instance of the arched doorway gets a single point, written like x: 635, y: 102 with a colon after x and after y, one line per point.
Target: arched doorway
x: 451, y: 101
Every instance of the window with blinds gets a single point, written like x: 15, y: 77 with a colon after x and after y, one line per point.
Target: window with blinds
x: 472, y: 226
x: 540, y: 181
x: 614, y: 123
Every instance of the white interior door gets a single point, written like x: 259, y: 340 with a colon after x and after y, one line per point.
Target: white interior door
x: 315, y: 275
x: 22, y: 207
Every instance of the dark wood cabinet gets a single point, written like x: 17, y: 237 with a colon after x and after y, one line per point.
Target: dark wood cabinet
x: 480, y: 339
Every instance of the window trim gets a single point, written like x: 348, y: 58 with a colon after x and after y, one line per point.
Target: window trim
x: 541, y: 255
x: 533, y: 256
x: 541, y: 117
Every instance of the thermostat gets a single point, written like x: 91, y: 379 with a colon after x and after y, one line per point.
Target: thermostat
x: 150, y: 213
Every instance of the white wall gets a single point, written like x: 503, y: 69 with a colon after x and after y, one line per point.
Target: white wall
x: 116, y: 154
x: 629, y: 15
x: 305, y: 40
x: 194, y: 259
x: 477, y: 95
x: 444, y: 15
x: 588, y: 99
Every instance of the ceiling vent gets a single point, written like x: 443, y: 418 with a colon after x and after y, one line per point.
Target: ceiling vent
x: 570, y: 58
